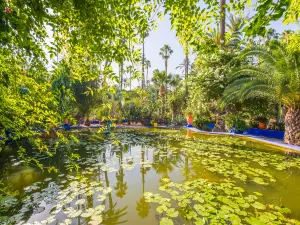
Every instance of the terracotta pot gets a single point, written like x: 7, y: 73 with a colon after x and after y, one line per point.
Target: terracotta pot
x: 189, y: 119
x: 261, y: 125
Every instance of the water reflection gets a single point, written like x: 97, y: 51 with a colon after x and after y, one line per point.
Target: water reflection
x: 121, y: 186
x: 113, y: 215
x: 143, y: 207
x: 140, y: 164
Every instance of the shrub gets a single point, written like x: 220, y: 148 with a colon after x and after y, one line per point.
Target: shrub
x: 235, y: 122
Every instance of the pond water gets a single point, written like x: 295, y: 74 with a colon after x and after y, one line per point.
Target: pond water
x: 152, y: 176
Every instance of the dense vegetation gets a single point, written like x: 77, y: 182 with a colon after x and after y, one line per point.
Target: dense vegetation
x: 57, y: 65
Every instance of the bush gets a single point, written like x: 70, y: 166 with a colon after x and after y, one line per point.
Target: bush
x: 235, y: 122
x: 179, y: 120
x: 200, y: 122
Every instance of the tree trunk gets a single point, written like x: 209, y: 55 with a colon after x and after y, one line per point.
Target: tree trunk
x: 220, y: 124
x: 147, y: 76
x: 166, y: 98
x: 130, y: 80
x: 292, y: 126
x: 222, y: 22
x: 186, y: 76
x: 143, y: 64
x: 121, y: 75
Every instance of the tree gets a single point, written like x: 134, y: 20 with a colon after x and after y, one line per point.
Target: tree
x: 148, y: 65
x: 165, y: 53
x: 186, y: 66
x: 222, y: 22
x: 276, y: 78
x: 161, y: 81
x: 235, y: 26
x: 175, y: 82
x: 87, y: 96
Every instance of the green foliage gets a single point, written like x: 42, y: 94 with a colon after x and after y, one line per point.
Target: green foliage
x: 276, y: 78
x: 235, y: 122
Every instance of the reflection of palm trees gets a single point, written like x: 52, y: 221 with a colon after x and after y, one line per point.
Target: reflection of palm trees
x: 186, y: 170
x: 113, y: 214
x: 143, y: 207
x: 121, y: 186
x: 163, y: 163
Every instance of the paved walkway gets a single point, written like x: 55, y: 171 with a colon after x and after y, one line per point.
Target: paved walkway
x: 272, y: 141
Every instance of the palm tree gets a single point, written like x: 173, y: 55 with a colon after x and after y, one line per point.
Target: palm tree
x: 222, y: 22
x: 214, y: 35
x: 161, y: 81
x: 121, y: 72
x: 175, y: 82
x: 276, y: 78
x: 185, y: 66
x: 235, y: 25
x: 145, y: 34
x: 148, y: 65
x: 165, y: 53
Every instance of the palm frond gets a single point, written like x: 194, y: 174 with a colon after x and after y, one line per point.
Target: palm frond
x: 249, y: 71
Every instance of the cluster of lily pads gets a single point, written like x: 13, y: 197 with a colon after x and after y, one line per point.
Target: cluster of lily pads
x: 202, y: 202
x: 72, y: 202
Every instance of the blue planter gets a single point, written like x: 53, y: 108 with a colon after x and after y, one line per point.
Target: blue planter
x: 67, y: 126
x: 266, y: 133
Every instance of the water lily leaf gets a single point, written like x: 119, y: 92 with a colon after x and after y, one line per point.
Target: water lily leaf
x: 191, y: 215
x: 254, y: 221
x: 88, y: 213
x: 199, y: 221
x: 259, y: 181
x: 161, y: 209
x: 80, y: 202
x: 258, y: 205
x: 258, y: 193
x: 166, y: 221
x: 107, y: 190
x: 75, y: 213
x: 101, y: 198
x: 148, y: 194
x: 99, y: 208
x: 172, y: 213
x: 283, y: 210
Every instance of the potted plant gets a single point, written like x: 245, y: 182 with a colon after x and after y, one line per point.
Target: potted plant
x: 262, y: 121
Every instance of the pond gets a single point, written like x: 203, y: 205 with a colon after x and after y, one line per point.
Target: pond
x: 154, y: 176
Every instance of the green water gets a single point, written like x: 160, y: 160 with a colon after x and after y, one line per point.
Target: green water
x: 119, y: 177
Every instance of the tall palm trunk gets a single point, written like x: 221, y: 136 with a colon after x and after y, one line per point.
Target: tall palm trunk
x: 130, y: 80
x: 222, y: 22
x: 147, y: 76
x: 121, y: 75
x: 166, y: 92
x: 292, y: 126
x: 143, y: 64
x: 186, y: 76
